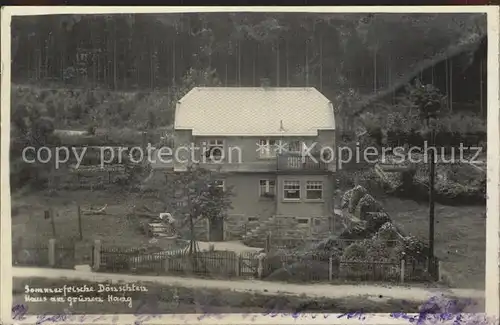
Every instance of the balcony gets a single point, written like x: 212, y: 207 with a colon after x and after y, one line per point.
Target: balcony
x: 296, y: 162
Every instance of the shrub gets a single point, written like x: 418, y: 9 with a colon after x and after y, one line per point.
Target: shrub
x: 355, y: 252
x: 301, y: 271
x: 358, y: 192
x: 375, y: 221
x: 366, y: 204
x: 378, y: 249
x: 411, y: 247
x: 355, y: 232
x: 346, y: 198
x: 388, y: 232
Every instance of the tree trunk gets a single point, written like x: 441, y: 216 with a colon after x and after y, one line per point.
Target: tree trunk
x: 307, y: 63
x: 277, y: 62
x: 115, y: 70
x: 447, y: 82
x: 173, y: 62
x: 481, y: 104
x: 321, y: 63
x: 192, y: 242
x: 239, y: 63
x: 286, y: 67
x: 451, y: 85
x: 389, y: 74
x: 47, y: 45
x: 225, y: 74
x: 375, y: 70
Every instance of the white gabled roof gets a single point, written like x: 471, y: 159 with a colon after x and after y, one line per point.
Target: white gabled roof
x: 246, y: 111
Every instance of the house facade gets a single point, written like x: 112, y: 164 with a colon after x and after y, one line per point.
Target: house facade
x: 274, y: 146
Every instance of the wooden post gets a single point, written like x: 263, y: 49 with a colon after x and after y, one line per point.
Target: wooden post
x: 330, y: 269
x: 97, y: 255
x: 238, y: 264
x: 52, y: 252
x: 432, y: 178
x: 260, y: 267
x: 50, y: 213
x: 402, y: 274
x: 166, y: 264
x: 80, y: 222
x: 438, y: 275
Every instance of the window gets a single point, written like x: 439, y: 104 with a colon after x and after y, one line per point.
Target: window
x: 303, y: 221
x: 295, y: 146
x: 267, y: 147
x: 291, y: 190
x: 250, y: 219
x: 214, y: 150
x: 267, y: 188
x: 314, y: 190
x: 219, y: 184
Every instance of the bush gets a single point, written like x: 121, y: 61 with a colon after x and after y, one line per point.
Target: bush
x: 301, y: 272
x: 346, y: 198
x: 355, y: 232
x: 355, y: 252
x: 358, y: 193
x: 388, y: 232
x: 366, y: 204
x: 375, y: 221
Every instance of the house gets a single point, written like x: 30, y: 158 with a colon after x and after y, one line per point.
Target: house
x: 285, y: 186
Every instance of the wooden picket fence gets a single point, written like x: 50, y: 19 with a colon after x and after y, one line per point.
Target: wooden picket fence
x: 178, y: 262
x: 282, y: 266
x: 53, y: 253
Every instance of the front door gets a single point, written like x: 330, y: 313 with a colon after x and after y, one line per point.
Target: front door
x: 216, y: 229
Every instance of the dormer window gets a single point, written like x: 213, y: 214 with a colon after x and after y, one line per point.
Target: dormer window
x: 214, y: 150
x: 267, y: 148
x: 295, y: 146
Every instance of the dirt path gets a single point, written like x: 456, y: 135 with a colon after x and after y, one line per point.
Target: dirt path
x: 268, y: 288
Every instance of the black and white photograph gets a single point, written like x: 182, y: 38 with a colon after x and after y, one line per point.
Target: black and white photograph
x: 249, y: 162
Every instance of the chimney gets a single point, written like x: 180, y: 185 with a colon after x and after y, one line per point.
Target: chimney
x: 265, y: 82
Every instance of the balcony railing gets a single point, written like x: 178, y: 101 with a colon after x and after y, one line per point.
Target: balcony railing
x: 291, y: 161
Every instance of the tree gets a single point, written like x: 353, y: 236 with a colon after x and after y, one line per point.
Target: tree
x: 31, y: 126
x: 196, y: 195
x: 429, y: 101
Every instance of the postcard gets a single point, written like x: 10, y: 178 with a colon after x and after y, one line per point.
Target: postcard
x: 166, y: 165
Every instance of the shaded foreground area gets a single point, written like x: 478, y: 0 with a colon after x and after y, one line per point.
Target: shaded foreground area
x: 169, y: 299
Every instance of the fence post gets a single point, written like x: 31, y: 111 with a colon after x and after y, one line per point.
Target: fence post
x: 260, y: 268
x: 402, y: 271
x: 439, y: 278
x: 166, y: 264
x: 52, y: 252
x: 238, y: 264
x: 79, y: 211
x: 330, y: 269
x: 97, y: 255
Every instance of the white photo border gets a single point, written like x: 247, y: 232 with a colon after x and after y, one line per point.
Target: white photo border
x: 492, y: 305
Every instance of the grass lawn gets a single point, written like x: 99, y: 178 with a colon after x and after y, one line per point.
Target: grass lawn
x: 169, y: 299
x: 113, y: 228
x: 460, y: 236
